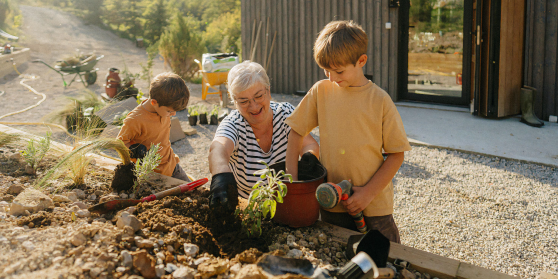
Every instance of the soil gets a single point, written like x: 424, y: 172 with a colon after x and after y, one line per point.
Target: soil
x: 124, y: 177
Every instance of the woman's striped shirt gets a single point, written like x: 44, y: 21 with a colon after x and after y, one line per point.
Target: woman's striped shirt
x: 244, y: 159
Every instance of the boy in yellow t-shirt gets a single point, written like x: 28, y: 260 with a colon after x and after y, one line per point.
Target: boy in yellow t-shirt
x: 357, y: 120
x: 149, y: 123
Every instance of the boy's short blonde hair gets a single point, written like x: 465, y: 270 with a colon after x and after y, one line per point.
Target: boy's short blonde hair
x: 340, y: 43
x: 169, y: 90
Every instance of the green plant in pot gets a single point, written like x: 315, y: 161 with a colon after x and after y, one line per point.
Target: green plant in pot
x: 263, y: 200
x: 203, y: 115
x: 213, y: 116
x: 193, y: 115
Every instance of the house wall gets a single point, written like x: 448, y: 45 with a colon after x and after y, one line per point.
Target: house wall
x: 297, y: 22
x: 541, y: 43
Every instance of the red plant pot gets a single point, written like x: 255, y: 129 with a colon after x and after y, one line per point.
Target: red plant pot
x: 300, y: 207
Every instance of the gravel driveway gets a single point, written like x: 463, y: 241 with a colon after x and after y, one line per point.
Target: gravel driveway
x: 486, y: 211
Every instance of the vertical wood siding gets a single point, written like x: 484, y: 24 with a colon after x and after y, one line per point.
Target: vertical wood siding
x: 297, y: 22
x: 541, y: 40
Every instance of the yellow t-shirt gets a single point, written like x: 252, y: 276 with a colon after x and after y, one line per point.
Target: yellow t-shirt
x: 142, y: 126
x: 356, y: 123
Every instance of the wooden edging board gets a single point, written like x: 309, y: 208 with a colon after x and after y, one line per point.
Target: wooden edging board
x: 422, y: 261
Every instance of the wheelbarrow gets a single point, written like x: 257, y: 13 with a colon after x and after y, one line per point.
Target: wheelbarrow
x: 211, y: 80
x: 85, y: 70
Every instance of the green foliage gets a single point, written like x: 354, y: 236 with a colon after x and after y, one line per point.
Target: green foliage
x: 90, y: 10
x: 36, y: 151
x: 146, y: 166
x: 179, y: 45
x: 79, y: 114
x: 263, y: 199
x: 224, y: 33
x: 215, y: 110
x: 10, y: 17
x: 155, y: 17
x: 202, y: 109
x: 193, y: 110
x: 119, y: 118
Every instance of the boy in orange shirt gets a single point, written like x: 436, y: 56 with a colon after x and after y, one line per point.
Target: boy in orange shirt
x: 357, y: 120
x: 149, y: 123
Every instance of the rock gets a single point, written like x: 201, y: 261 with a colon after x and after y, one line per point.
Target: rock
x: 80, y: 194
x: 79, y: 204
x: 291, y: 240
x: 72, y: 196
x: 60, y: 198
x: 30, y: 200
x: 108, y: 197
x: 249, y: 256
x: 92, y: 197
x: 171, y: 268
x: 121, y: 269
x: 28, y: 245
x: 191, y: 249
x: 15, y: 189
x: 213, y: 267
x: 295, y: 253
x: 83, y: 213
x: 250, y: 271
x: 303, y: 243
x: 406, y: 274
x: 235, y: 268
x: 78, y: 239
x: 16, y: 156
x: 322, y: 238
x: 126, y: 219
x: 126, y: 258
x: 58, y: 259
x: 29, y: 169
x: 95, y: 272
x: 143, y: 243
x: 169, y: 257
x: 98, y: 193
x: 170, y: 249
x: 160, y: 270
x: 132, y: 210
x: 123, y: 196
x: 145, y: 263
x: 184, y: 273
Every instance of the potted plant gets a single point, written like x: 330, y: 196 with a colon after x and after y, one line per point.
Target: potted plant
x: 263, y: 199
x: 193, y: 115
x: 213, y: 118
x: 203, y: 114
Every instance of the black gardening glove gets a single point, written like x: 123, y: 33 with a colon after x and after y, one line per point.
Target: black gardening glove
x: 138, y: 151
x: 223, y: 191
x: 309, y: 166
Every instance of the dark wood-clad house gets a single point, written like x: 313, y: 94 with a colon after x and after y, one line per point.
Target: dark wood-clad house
x: 472, y: 53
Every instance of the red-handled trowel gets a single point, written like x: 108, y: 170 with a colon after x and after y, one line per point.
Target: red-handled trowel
x: 114, y: 205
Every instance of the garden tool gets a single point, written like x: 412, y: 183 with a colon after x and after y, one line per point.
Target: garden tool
x: 330, y: 195
x: 527, y: 99
x: 372, y: 252
x: 113, y: 205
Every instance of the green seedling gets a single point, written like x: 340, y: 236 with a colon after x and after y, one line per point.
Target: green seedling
x: 193, y: 110
x: 263, y: 200
x: 146, y: 166
x: 36, y: 151
x: 215, y: 110
x: 202, y: 109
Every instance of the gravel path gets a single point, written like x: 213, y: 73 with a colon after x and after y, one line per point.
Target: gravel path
x: 482, y: 210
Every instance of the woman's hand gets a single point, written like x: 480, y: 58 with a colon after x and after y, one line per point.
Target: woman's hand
x: 223, y: 191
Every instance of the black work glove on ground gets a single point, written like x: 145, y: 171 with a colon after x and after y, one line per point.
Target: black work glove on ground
x: 138, y: 151
x: 309, y: 167
x: 223, y: 191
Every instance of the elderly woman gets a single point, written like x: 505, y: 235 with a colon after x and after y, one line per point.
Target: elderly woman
x: 255, y: 131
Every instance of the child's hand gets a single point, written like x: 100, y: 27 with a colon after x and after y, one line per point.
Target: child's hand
x: 358, y: 201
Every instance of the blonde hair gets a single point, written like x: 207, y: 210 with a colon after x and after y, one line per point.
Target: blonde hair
x: 340, y: 43
x: 169, y: 90
x: 244, y: 76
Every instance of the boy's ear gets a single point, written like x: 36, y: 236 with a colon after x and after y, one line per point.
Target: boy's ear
x: 153, y: 102
x: 362, y: 60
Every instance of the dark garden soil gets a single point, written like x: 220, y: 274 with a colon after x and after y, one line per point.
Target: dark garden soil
x: 123, y: 177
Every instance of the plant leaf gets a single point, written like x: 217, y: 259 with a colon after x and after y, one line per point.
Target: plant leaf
x: 279, y: 197
x: 273, y: 208
x: 254, y: 194
x: 260, y: 172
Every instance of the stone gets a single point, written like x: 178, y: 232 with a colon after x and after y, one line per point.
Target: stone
x: 15, y: 189
x: 171, y: 268
x: 191, y: 249
x: 80, y: 193
x: 28, y: 246
x: 126, y: 219
x: 322, y: 238
x: 200, y: 261
x: 160, y: 270
x: 123, y: 196
x: 108, y: 197
x: 235, y: 268
x: 16, y: 156
x: 126, y: 258
x: 184, y: 273
x: 145, y: 263
x: 92, y: 197
x: 98, y: 193
x: 303, y: 243
x: 60, y: 198
x: 79, y: 204
x: 83, y: 213
x: 121, y: 269
x: 406, y: 274
x: 250, y: 271
x: 169, y: 257
x: 213, y: 267
x: 78, y: 239
x: 72, y: 196
x: 295, y: 253
x: 143, y: 243
x: 58, y: 259
x: 95, y: 272
x: 30, y: 200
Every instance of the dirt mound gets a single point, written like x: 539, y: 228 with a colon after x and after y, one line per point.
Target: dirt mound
x: 123, y: 177
x: 192, y: 221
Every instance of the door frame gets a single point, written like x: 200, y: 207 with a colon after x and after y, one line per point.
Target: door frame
x: 403, y: 59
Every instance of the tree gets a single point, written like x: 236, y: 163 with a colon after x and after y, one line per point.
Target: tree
x: 222, y: 34
x: 155, y: 16
x: 91, y: 8
x: 179, y: 45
